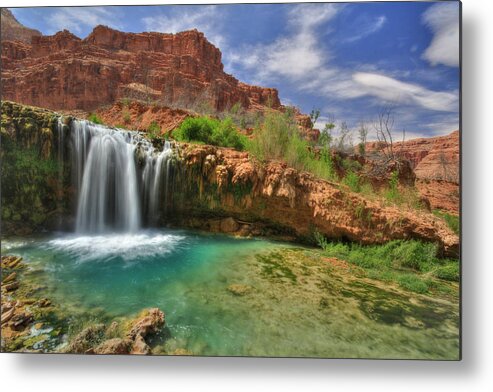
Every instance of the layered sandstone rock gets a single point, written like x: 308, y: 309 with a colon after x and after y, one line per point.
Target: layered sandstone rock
x: 180, y: 70
x: 13, y: 30
x: 434, y: 158
x: 436, y: 162
x: 228, y: 183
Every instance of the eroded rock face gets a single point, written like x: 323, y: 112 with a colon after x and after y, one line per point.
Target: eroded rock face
x: 65, y: 72
x: 229, y: 183
x: 13, y: 30
x: 436, y: 163
x: 434, y: 158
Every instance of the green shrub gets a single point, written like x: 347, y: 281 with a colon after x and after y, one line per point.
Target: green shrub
x: 449, y: 272
x: 210, y: 131
x: 93, y: 117
x: 352, y: 180
x: 392, y: 193
x: 126, y: 117
x: 413, y: 283
x: 278, y: 137
x: 416, y: 255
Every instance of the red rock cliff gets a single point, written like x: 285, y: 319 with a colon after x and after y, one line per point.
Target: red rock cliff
x: 65, y: 72
x: 431, y: 158
x: 13, y: 30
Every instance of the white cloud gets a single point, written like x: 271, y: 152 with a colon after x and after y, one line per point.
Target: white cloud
x: 75, y: 19
x: 296, y: 54
x: 204, y: 18
x: 443, y: 20
x: 393, y: 90
x: 369, y: 29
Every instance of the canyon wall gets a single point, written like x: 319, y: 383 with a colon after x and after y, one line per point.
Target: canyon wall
x: 12, y: 30
x: 179, y: 70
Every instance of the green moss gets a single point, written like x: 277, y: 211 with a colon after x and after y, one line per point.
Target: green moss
x: 93, y: 117
x: 274, y: 267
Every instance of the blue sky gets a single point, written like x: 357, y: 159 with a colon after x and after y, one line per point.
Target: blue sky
x: 351, y: 60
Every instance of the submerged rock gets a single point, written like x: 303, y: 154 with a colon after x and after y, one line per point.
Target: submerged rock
x: 239, y: 289
x: 86, y: 339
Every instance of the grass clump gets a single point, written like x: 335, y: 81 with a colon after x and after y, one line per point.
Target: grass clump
x: 209, y: 130
x: 94, y: 118
x: 352, y: 180
x: 449, y: 272
x: 452, y: 221
x: 411, y: 264
x: 279, y: 138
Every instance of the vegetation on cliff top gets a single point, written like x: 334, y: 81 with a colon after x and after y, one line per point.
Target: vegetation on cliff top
x: 209, y: 130
x: 278, y: 137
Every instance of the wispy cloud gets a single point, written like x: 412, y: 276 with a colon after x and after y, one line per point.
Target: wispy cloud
x: 204, y: 18
x: 295, y: 55
x: 443, y: 20
x: 76, y: 19
x: 302, y: 59
x: 393, y: 90
x: 368, y: 29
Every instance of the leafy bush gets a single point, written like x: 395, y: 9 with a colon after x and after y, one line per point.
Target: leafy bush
x: 413, y: 283
x: 93, y: 117
x: 210, y: 131
x: 351, y: 179
x: 415, y: 255
x: 449, y: 272
x: 393, y: 190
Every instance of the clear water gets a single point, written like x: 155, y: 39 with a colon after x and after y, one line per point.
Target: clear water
x: 302, y: 308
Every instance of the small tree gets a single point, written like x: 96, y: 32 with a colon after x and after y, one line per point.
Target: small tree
x: 314, y: 115
x: 363, y: 133
x: 344, y: 140
x: 383, y: 127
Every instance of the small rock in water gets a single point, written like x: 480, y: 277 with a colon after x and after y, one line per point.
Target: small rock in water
x: 11, y: 286
x: 113, y: 346
x: 229, y: 225
x: 44, y: 302
x: 10, y: 277
x: 181, y: 351
x: 140, y: 347
x: 239, y: 289
x: 150, y: 321
x: 86, y: 339
x: 6, y: 316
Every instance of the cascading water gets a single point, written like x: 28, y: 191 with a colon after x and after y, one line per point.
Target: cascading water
x: 120, y: 177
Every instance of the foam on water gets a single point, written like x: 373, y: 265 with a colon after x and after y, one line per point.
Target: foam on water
x: 129, y: 247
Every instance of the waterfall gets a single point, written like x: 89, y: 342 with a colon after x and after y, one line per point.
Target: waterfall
x: 120, y: 178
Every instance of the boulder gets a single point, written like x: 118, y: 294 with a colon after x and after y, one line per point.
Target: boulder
x: 114, y: 346
x: 150, y: 321
x: 87, y: 339
x: 229, y: 225
x: 239, y: 289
